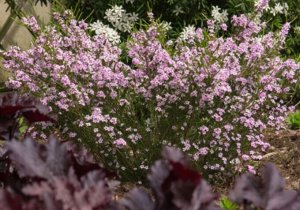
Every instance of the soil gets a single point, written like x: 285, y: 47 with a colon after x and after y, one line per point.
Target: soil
x: 285, y: 154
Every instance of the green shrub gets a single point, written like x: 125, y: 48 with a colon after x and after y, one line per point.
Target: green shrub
x: 293, y: 120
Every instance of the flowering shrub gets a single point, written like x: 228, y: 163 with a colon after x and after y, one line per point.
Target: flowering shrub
x: 210, y: 96
x: 277, y: 12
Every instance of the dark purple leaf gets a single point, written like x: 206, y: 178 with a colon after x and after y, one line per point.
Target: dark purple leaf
x: 175, y: 185
x: 9, y: 111
x: 203, y: 198
x: 138, y: 199
x: 182, y: 194
x: 160, y: 171
x: 266, y: 192
x: 33, y: 160
x: 10, y: 200
x: 35, y: 116
x: 59, y: 186
x: 184, y: 173
x: 90, y: 192
x: 8, y: 128
x: 8, y: 175
x: 286, y: 200
x: 83, y: 162
x: 13, y: 106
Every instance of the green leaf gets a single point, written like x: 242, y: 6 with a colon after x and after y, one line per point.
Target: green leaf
x: 227, y: 204
x: 22, y: 125
x: 293, y: 120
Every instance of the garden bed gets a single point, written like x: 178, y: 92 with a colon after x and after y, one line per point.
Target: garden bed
x: 285, y: 153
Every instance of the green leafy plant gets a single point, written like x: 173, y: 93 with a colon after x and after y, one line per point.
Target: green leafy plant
x: 227, y: 204
x: 293, y: 120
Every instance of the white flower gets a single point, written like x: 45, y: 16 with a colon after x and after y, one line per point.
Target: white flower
x: 178, y: 10
x: 129, y: 1
x: 187, y: 33
x: 278, y: 9
x: 286, y: 8
x: 218, y: 16
x: 165, y: 26
x: 121, y: 20
x: 258, y: 39
x: 109, y: 33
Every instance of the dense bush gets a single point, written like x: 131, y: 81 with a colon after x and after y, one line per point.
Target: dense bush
x: 210, y: 96
x: 174, y: 15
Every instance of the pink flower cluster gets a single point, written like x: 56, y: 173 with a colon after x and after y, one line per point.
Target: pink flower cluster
x: 211, y: 96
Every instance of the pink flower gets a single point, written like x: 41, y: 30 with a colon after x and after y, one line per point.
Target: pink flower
x: 120, y: 143
x: 251, y: 169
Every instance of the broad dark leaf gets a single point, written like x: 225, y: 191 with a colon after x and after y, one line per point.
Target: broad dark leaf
x: 174, y: 182
x: 203, y: 198
x: 160, y: 171
x: 266, y: 192
x: 286, y: 200
x: 59, y: 187
x: 10, y: 200
x: 13, y: 106
x: 84, y: 162
x: 47, y: 161
x: 33, y: 160
x: 138, y: 199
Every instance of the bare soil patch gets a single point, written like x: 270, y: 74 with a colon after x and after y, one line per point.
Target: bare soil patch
x: 285, y: 154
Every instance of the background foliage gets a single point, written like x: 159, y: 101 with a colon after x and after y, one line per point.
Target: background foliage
x: 182, y: 13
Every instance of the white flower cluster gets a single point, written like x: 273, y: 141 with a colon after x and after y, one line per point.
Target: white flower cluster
x: 120, y: 19
x: 165, y: 26
x: 109, y: 33
x: 187, y: 33
x: 279, y: 9
x: 218, y: 15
